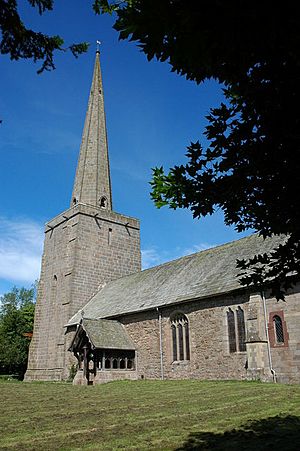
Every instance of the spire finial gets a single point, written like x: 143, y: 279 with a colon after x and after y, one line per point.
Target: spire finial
x: 98, y: 43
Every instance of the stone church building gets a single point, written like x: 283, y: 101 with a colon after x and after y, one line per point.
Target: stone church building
x: 188, y: 318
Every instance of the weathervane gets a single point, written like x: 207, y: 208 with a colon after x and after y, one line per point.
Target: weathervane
x: 98, y: 43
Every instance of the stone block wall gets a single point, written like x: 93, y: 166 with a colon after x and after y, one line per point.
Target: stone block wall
x: 209, y: 350
x: 105, y: 376
x: 84, y: 248
x: 209, y: 343
x: 286, y: 356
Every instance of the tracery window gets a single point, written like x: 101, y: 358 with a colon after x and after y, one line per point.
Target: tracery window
x: 236, y: 330
x: 180, y: 337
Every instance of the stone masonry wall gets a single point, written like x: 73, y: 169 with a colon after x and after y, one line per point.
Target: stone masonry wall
x: 84, y: 248
x: 286, y: 357
x: 210, y: 357
x: 209, y: 347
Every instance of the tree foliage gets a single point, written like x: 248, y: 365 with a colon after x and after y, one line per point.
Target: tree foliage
x: 251, y: 167
x: 16, y: 326
x: 20, y: 42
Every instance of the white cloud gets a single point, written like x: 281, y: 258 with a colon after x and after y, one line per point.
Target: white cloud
x: 21, y: 243
x: 152, y: 256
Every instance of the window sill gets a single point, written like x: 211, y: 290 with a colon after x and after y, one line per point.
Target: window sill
x: 180, y: 362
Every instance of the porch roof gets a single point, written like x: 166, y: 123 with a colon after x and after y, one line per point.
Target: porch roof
x: 107, y: 334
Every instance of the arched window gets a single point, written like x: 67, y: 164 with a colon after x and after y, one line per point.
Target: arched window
x: 103, y: 202
x: 115, y: 364
x: 231, y: 331
x: 180, y: 337
x: 278, y: 329
x: 240, y: 319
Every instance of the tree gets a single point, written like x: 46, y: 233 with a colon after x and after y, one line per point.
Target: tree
x: 251, y: 167
x: 21, y: 42
x: 16, y: 326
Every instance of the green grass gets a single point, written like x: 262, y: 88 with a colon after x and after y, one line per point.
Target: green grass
x: 168, y: 415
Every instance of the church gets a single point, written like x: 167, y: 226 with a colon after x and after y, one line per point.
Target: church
x: 99, y: 315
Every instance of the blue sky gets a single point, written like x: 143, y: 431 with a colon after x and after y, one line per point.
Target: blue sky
x: 152, y: 115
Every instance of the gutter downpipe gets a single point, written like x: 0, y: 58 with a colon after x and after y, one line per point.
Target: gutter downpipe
x: 160, y: 345
x: 262, y: 294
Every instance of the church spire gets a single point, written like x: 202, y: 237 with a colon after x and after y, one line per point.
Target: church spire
x: 92, y: 180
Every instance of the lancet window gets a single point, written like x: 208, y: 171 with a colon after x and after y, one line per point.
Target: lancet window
x: 180, y: 337
x: 236, y: 330
x: 278, y: 329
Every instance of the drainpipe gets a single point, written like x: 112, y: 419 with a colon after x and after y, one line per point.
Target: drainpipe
x: 160, y: 345
x: 267, y: 335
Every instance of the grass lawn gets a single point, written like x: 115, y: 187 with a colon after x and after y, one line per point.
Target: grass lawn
x: 157, y: 415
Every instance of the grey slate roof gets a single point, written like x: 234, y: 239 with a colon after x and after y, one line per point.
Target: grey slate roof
x: 201, y: 275
x: 107, y: 334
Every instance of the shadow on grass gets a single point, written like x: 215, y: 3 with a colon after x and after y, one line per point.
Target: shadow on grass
x: 274, y: 433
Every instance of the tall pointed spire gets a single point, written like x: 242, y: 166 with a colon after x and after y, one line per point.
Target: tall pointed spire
x: 92, y: 181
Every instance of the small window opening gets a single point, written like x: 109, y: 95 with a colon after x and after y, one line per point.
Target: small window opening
x: 109, y: 235
x: 278, y: 329
x: 129, y: 364
x: 122, y: 364
x: 107, y: 364
x: 103, y: 202
x: 74, y: 201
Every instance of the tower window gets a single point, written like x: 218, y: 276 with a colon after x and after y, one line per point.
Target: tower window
x: 74, y: 201
x: 103, y: 202
x: 180, y: 337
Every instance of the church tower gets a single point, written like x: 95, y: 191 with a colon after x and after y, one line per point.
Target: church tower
x: 85, y: 247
